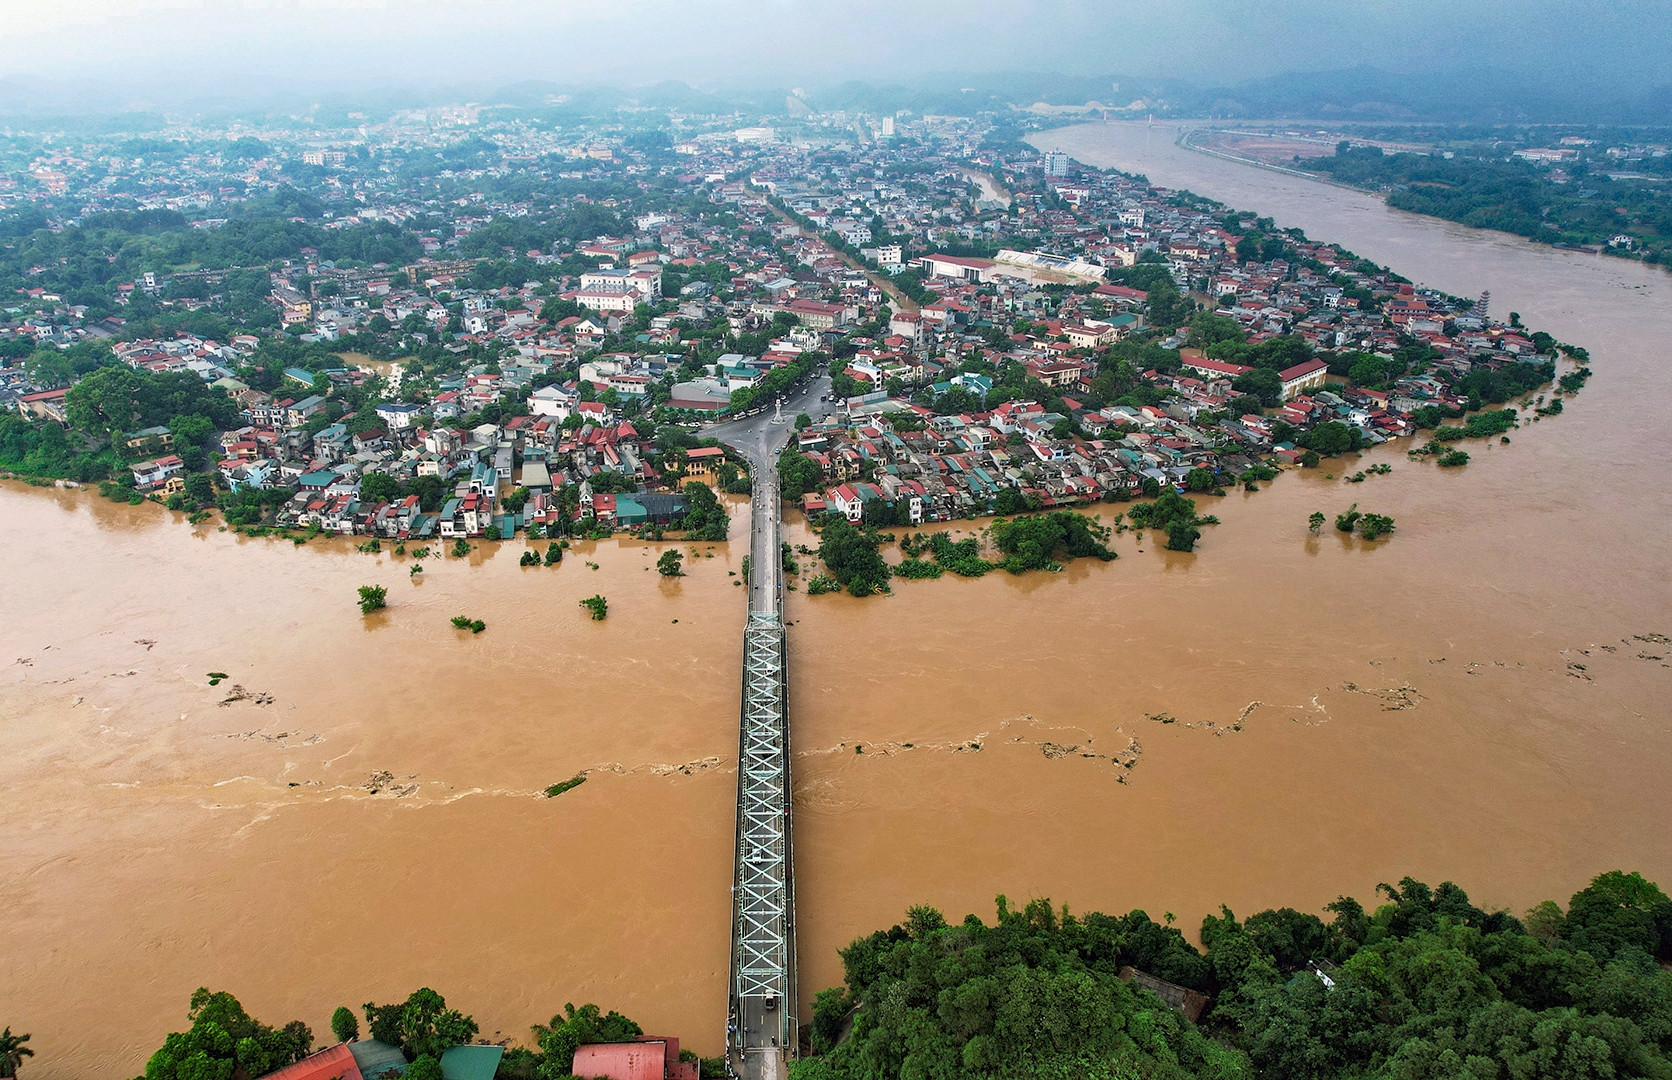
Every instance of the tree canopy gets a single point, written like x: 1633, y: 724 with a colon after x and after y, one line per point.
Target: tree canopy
x: 225, y: 1042
x: 1426, y: 987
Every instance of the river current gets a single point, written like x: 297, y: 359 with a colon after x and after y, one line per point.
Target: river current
x: 358, y: 808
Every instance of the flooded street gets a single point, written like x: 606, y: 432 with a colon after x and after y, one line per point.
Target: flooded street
x: 1277, y: 719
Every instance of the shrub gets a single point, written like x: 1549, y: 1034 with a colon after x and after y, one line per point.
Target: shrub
x: 372, y: 597
x: 567, y: 785
x: 1374, y: 526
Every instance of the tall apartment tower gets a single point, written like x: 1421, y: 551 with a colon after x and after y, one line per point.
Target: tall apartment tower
x: 1056, y: 163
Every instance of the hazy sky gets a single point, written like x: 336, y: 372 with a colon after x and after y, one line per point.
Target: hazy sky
x: 251, y: 44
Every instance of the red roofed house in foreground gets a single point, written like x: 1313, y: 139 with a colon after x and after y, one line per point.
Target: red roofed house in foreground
x: 332, y: 1063
x: 650, y: 1057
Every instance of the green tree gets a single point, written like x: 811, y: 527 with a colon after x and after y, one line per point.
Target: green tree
x: 200, y: 489
x: 379, y: 487
x: 1261, y: 383
x: 571, y: 1028
x: 344, y: 1025
x: 1315, y: 522
x: 429, y: 489
x: 1333, y: 438
x: 12, y: 1052
x: 1370, y: 371
x: 423, y: 1067
x: 852, y: 557
x: 1620, y: 911
x: 422, y: 1025
x: 1182, y: 536
x: 372, y: 598
x: 669, y: 564
x: 1034, y: 542
x: 705, y: 519
x: 1207, y: 328
x: 1200, y: 480
x: 224, y: 1042
x: 191, y: 435
x: 797, y: 473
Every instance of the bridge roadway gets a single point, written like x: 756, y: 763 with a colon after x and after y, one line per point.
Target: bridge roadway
x: 762, y: 1028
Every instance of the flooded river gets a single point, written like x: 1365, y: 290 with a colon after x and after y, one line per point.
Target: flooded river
x: 1279, y: 718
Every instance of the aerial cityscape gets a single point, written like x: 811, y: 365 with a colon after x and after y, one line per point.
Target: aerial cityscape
x: 836, y: 570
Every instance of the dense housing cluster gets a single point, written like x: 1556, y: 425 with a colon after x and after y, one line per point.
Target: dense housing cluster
x: 454, y: 326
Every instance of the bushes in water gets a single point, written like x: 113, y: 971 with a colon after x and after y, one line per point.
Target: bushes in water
x: 1033, y: 542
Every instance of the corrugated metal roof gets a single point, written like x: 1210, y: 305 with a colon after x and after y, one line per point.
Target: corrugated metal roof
x: 333, y: 1063
x: 471, y: 1062
x: 376, y: 1058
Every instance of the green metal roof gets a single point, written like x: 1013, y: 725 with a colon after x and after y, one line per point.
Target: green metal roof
x: 471, y: 1062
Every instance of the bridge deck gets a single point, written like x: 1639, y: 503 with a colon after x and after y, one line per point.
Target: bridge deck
x: 764, y: 1029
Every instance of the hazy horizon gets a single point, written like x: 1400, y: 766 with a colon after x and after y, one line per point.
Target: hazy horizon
x: 247, y: 48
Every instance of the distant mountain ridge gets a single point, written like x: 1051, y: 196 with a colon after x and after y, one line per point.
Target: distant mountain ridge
x: 1472, y: 95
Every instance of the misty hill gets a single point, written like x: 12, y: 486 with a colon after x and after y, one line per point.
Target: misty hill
x: 1362, y: 93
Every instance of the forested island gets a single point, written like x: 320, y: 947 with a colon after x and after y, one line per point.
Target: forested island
x: 1603, y: 194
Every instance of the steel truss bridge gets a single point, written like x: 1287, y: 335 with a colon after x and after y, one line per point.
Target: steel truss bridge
x: 763, y: 1031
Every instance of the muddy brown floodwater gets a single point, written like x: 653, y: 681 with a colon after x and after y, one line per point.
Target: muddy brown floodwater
x: 1278, y: 719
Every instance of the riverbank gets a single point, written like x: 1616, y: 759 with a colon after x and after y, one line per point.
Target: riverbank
x: 1191, y: 139
x: 992, y: 192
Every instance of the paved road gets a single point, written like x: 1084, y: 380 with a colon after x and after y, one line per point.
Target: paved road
x: 759, y: 440
x: 901, y: 301
x: 757, y: 437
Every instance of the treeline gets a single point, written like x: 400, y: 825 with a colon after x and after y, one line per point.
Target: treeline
x: 224, y: 1042
x: 538, y: 232
x: 1428, y: 986
x: 102, y: 409
x: 78, y: 260
x: 1490, y: 192
x: 853, y: 559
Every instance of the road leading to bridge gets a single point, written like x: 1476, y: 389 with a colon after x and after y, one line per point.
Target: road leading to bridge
x: 763, y: 1030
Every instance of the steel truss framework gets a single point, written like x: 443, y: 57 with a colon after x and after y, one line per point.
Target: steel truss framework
x: 763, y: 960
